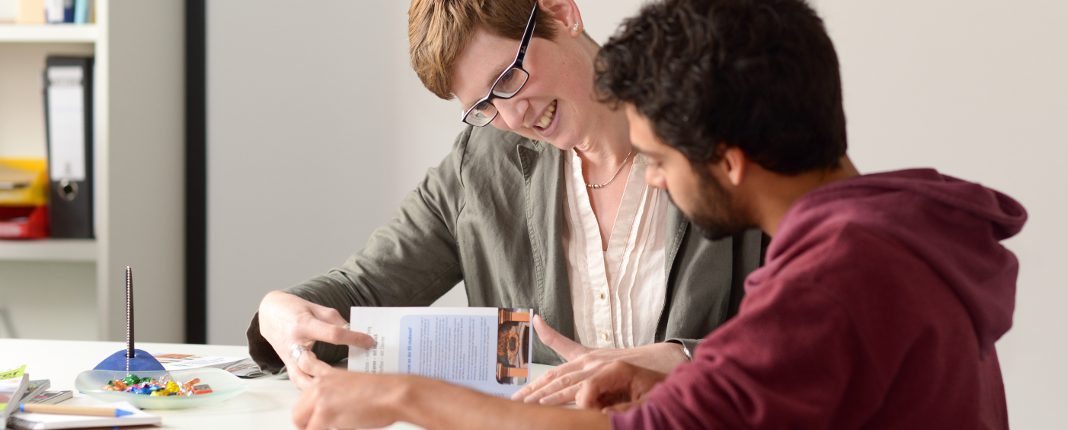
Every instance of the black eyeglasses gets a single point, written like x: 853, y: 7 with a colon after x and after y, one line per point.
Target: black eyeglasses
x: 507, y: 84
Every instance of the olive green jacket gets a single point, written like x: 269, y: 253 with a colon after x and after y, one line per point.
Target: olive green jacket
x: 492, y: 215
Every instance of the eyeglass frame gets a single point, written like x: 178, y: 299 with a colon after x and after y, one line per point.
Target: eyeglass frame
x: 528, y: 33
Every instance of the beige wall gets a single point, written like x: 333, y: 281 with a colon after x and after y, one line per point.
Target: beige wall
x: 317, y: 128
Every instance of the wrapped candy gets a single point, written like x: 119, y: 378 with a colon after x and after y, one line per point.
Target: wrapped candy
x: 116, y: 385
x: 164, y: 387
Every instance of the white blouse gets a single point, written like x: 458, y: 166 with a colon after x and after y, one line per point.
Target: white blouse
x: 617, y: 294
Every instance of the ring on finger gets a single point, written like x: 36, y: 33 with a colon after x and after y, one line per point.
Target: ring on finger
x: 295, y: 350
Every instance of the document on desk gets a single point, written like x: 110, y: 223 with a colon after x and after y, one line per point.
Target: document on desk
x: 173, y: 362
x: 486, y: 349
x: 240, y: 367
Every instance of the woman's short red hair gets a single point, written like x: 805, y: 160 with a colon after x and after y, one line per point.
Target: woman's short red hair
x: 439, y: 31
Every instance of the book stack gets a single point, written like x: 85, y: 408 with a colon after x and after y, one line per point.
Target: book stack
x: 47, y: 11
x: 37, y: 392
x: 17, y: 388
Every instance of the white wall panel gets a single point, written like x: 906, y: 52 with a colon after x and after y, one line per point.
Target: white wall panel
x: 977, y: 90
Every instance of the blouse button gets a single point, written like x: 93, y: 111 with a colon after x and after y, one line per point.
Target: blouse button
x: 602, y: 295
x: 604, y: 335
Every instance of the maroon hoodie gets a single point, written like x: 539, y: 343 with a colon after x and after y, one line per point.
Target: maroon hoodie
x: 878, y: 308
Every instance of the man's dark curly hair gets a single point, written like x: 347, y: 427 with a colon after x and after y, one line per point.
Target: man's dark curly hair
x: 761, y: 75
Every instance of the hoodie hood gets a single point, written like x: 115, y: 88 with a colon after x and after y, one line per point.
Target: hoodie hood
x: 953, y: 225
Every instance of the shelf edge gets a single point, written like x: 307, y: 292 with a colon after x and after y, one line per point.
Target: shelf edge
x: 50, y: 33
x: 49, y: 250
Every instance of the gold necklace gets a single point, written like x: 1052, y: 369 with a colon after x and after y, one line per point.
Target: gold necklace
x: 589, y: 185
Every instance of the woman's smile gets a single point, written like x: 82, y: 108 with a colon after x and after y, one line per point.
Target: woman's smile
x: 546, y: 125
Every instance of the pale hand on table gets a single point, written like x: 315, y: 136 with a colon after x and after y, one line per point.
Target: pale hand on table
x: 336, y: 398
x: 560, y: 384
x: 287, y: 320
x: 617, y: 387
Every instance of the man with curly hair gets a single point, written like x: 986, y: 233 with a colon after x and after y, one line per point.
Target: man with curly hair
x: 882, y: 294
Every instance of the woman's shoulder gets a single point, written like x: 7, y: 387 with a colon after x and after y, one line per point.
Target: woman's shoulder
x: 492, y: 148
x: 491, y: 140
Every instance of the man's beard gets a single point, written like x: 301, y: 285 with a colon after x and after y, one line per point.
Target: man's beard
x: 715, y: 213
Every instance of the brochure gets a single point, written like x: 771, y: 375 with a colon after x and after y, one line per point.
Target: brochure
x: 35, y: 387
x: 486, y: 349
x: 13, y: 383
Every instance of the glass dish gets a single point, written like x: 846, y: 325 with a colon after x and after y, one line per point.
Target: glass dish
x: 223, y: 386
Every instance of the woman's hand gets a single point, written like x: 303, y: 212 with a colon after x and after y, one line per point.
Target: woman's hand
x: 335, y: 398
x: 617, y: 387
x: 560, y: 384
x: 287, y: 320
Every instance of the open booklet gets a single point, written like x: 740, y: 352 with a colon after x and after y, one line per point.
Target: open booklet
x: 486, y: 349
x: 13, y: 383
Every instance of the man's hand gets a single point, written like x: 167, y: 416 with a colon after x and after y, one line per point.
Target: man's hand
x: 341, y: 399
x: 559, y: 385
x: 287, y: 320
x: 335, y: 398
x: 617, y: 387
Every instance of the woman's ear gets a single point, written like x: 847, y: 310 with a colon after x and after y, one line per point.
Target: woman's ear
x: 565, y: 12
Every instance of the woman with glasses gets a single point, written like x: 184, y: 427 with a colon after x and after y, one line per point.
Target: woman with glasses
x: 542, y: 204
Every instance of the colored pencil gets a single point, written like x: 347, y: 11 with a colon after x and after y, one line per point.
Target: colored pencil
x: 72, y: 410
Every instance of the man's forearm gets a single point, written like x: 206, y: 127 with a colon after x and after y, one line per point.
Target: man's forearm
x: 434, y: 404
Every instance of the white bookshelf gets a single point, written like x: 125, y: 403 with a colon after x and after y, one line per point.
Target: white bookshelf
x: 139, y: 140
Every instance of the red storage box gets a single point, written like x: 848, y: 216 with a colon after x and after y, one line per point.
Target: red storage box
x: 23, y: 222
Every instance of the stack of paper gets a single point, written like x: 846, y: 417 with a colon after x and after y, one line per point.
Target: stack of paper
x: 37, y: 392
x: 237, y: 366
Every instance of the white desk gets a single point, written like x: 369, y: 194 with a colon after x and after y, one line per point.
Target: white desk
x: 267, y: 404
